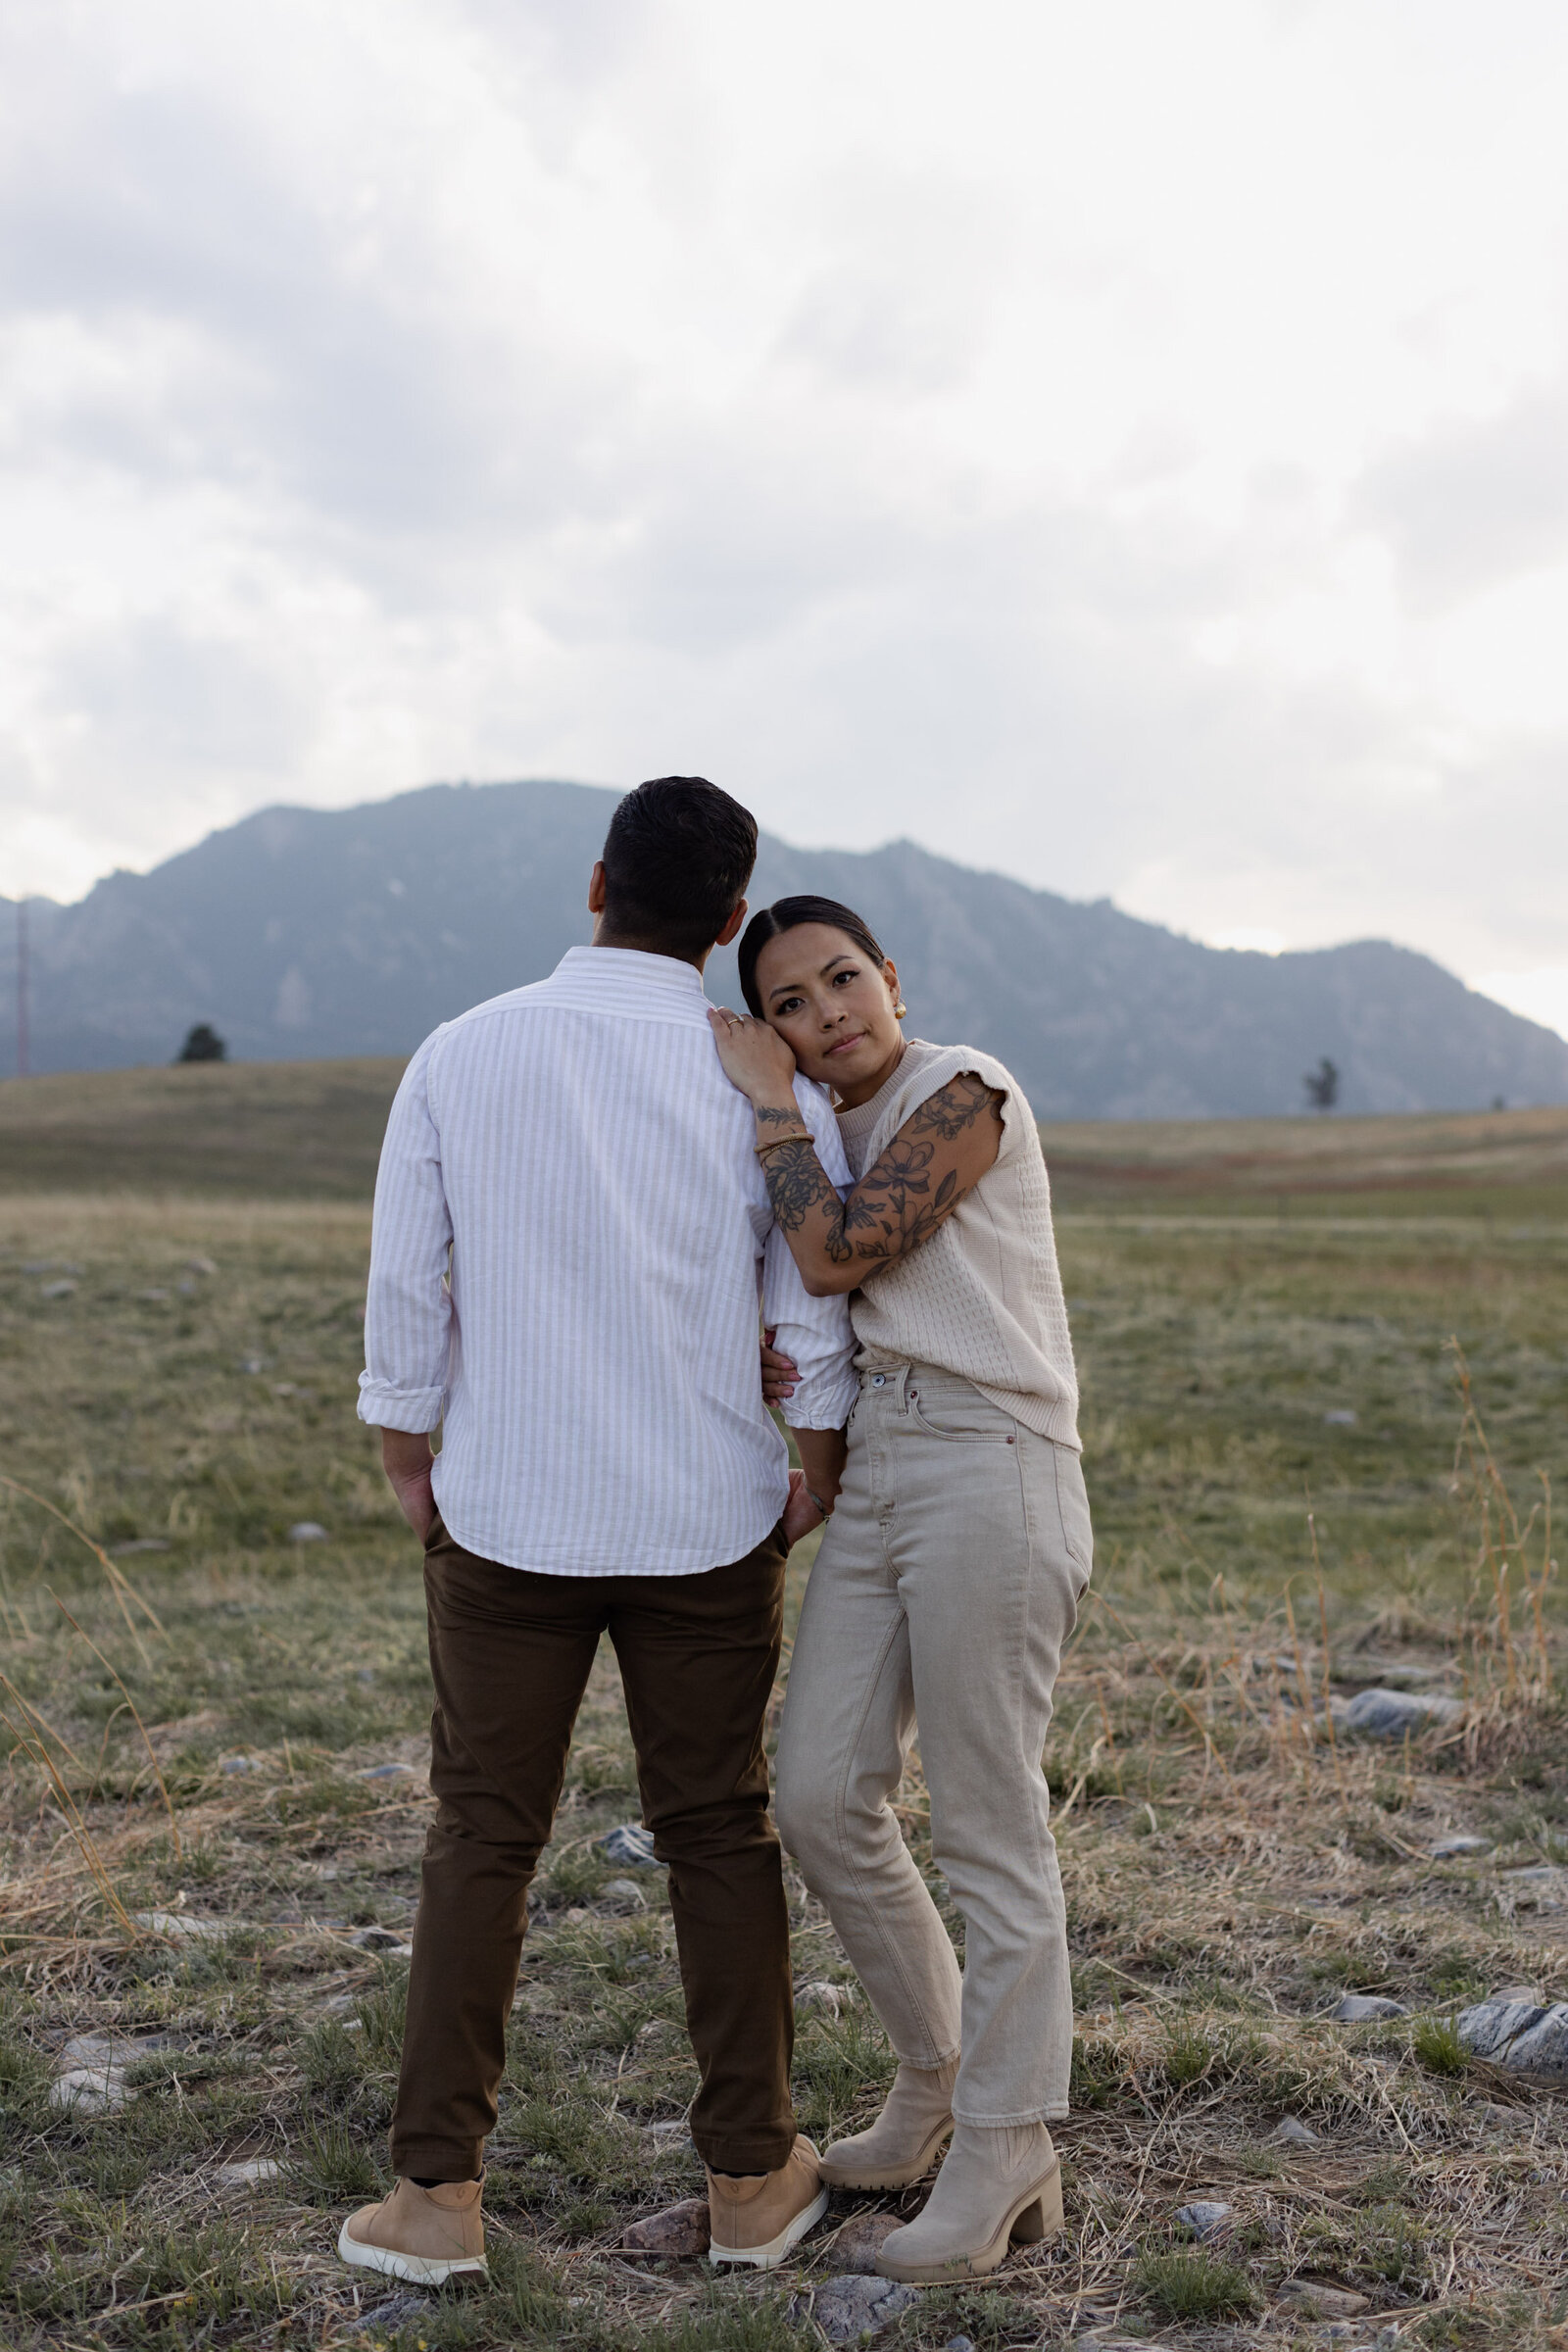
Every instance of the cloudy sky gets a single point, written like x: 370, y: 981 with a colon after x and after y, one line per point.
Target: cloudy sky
x: 1121, y: 444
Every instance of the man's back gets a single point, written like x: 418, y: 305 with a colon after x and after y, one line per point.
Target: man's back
x: 578, y: 1146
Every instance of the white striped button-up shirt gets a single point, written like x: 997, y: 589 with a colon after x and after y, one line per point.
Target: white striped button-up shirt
x: 571, y: 1230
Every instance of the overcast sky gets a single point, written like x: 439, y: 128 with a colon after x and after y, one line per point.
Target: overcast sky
x: 1123, y: 444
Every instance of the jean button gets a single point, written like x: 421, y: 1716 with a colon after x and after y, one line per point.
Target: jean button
x: 877, y: 1379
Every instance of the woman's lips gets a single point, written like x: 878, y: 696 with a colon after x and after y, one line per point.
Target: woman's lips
x: 844, y: 1045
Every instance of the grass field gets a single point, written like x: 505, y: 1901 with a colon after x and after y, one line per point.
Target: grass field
x: 191, y: 1737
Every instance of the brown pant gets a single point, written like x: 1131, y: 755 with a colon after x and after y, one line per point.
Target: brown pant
x: 510, y: 1653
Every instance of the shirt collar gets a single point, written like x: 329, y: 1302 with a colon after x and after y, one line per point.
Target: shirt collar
x: 618, y: 971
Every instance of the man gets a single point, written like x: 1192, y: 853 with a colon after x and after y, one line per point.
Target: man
x: 571, y: 1221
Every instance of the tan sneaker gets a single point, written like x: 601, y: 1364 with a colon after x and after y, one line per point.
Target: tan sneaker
x: 907, y: 2136
x: 996, y: 2187
x: 422, y: 2235
x: 758, y: 2217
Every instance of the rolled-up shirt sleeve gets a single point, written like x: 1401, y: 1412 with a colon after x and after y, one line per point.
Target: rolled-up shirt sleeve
x: 407, y: 1313
x: 814, y: 1333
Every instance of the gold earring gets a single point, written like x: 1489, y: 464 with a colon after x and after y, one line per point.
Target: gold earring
x: 900, y: 1009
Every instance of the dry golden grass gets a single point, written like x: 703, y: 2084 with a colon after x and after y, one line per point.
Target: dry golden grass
x: 1230, y: 1872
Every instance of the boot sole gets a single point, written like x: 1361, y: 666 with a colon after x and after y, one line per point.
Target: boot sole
x: 417, y: 2270
x: 764, y: 2258
x: 1037, y: 2214
x: 887, y: 2176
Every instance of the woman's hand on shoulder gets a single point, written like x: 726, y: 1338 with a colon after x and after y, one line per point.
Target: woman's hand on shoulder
x: 754, y: 1058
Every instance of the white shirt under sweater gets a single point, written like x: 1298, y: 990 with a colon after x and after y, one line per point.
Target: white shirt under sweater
x: 579, y: 1153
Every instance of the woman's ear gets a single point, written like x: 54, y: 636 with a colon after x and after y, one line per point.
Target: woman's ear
x: 889, y: 973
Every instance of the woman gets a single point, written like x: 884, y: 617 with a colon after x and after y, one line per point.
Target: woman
x: 948, y: 1579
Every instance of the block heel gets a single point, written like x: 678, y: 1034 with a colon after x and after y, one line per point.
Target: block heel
x: 1044, y: 2218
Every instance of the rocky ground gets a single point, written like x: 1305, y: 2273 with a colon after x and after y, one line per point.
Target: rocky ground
x: 1315, y: 1850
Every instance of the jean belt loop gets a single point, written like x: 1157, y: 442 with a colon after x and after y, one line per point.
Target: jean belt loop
x: 900, y: 1387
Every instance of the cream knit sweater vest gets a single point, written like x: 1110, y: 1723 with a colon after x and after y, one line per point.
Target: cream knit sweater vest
x: 983, y: 1296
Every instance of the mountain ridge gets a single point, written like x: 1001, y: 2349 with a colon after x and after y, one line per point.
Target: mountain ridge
x: 317, y: 933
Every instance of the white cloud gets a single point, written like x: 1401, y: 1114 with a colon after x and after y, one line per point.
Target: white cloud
x: 1120, y: 446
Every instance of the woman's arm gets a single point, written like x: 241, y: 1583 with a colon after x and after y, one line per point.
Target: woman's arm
x: 938, y: 1156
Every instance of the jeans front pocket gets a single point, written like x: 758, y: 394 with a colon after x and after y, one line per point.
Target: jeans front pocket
x: 1072, y: 1505
x: 961, y: 1415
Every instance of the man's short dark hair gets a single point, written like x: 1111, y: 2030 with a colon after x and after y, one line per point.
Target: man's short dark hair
x: 678, y: 856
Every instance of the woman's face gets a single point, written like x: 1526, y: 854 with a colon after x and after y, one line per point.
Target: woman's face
x: 832, y: 1004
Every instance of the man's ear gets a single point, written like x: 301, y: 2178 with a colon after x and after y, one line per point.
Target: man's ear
x: 595, y: 887
x: 730, y: 928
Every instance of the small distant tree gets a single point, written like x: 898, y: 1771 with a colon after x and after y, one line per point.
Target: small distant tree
x: 1323, y: 1085
x: 203, y: 1043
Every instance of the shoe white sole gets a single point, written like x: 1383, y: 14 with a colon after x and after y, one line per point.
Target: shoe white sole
x: 763, y: 2258
x: 417, y: 2269
x: 1037, y: 2214
x: 850, y: 2174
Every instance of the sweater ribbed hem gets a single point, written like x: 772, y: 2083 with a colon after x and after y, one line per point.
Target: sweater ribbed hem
x: 1056, y: 1419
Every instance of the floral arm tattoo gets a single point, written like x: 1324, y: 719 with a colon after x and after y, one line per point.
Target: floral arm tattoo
x: 899, y: 1203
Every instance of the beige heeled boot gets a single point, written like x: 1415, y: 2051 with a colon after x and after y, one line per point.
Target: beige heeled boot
x: 996, y: 2187
x: 903, y: 2143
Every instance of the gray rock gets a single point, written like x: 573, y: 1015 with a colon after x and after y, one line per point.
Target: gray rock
x: 1395, y: 1714
x: 859, y: 2243
x: 181, y: 1930
x: 201, y: 1265
x: 1343, y: 1416
x: 822, y: 1999
x: 89, y: 2091
x: 1206, y: 2217
x: 1519, y: 2035
x: 676, y: 2234
x: 1449, y: 1849
x: 1540, y: 1886
x: 124, y: 1551
x: 240, y: 1764
x: 623, y: 1894
x: 57, y: 1290
x: 1294, y: 2133
x: 1366, y: 2008
x: 385, y: 1772
x: 1328, y: 2302
x: 248, y: 2172
x: 379, y: 1939
x: 958, y: 2343
x: 90, y: 2072
x: 307, y: 1530
x: 394, y: 2313
x: 1541, y: 2049
x: 630, y: 1844
x: 854, y: 2309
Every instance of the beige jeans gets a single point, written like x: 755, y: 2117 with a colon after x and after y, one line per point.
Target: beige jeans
x: 948, y: 1581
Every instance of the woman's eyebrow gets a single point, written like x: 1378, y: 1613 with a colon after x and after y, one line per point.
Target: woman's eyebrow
x: 790, y: 987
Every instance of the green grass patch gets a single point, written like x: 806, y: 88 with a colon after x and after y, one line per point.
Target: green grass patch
x: 1192, y: 2286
